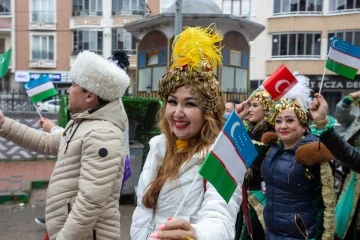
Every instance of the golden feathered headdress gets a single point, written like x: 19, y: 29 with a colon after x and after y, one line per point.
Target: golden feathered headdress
x: 196, y: 53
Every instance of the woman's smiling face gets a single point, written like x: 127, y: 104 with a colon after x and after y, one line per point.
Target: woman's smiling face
x: 288, y: 128
x: 183, y: 114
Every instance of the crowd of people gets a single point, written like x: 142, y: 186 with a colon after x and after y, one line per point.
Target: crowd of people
x: 288, y: 192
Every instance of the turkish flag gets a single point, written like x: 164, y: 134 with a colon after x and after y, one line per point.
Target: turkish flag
x: 281, y: 81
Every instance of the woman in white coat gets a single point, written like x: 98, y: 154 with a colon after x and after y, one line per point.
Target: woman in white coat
x: 190, y: 121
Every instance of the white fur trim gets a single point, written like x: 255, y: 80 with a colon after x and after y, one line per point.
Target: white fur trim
x: 99, y: 76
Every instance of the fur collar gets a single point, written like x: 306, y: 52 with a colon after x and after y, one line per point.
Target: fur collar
x: 308, y: 154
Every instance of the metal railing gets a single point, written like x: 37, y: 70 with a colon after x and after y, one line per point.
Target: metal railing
x: 16, y: 100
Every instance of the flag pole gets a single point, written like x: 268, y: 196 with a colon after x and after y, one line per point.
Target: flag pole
x: 253, y: 93
x: 37, y: 110
x: 322, y: 80
x: 186, y: 195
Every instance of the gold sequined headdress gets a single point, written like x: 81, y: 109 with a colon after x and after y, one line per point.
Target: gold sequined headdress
x: 264, y: 99
x: 297, y: 99
x: 196, y: 53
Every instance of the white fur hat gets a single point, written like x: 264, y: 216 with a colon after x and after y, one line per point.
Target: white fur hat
x: 99, y: 76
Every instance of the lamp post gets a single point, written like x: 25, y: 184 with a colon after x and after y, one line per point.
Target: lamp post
x: 178, y: 17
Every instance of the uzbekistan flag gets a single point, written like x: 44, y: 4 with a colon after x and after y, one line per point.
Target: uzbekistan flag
x: 231, y: 155
x: 344, y: 58
x: 40, y: 89
x: 281, y: 81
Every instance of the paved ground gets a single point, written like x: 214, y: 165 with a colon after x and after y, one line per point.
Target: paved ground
x: 29, y: 178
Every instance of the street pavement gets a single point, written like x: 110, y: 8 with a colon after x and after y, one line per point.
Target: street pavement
x: 29, y: 178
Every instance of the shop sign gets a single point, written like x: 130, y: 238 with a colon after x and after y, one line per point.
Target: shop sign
x: 22, y: 76
x: 342, y: 84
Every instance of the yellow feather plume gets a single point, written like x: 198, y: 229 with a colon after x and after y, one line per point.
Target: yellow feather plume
x: 195, y: 45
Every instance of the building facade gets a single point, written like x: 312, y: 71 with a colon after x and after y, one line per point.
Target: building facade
x: 156, y: 34
x: 298, y: 34
x: 46, y: 35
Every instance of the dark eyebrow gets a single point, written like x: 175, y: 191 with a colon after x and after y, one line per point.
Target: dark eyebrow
x: 286, y: 116
x: 186, y: 99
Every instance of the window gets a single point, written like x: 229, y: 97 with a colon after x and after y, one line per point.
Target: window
x: 123, y: 40
x: 237, y: 7
x: 128, y: 7
x: 234, y: 73
x: 343, y: 5
x: 87, y: 7
x: 235, y: 58
x: 42, y: 47
x: 43, y: 11
x: 5, y: 7
x: 296, y: 45
x: 165, y: 5
x: 352, y: 37
x: 234, y: 79
x: 91, y: 40
x: 297, y: 6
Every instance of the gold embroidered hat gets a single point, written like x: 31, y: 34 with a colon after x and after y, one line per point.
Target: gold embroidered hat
x: 264, y: 99
x: 297, y: 99
x: 196, y: 54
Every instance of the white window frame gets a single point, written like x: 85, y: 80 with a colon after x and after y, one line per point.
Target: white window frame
x: 236, y: 7
x: 7, y: 4
x: 234, y: 79
x: 94, y: 8
x: 235, y: 58
x: 287, y: 4
x: 335, y: 3
x: 93, y: 46
x: 32, y: 45
x: 126, y: 38
x: 43, y: 7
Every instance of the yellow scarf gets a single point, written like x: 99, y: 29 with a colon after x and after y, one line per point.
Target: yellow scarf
x: 181, y: 145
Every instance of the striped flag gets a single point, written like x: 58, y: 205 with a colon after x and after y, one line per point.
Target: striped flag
x: 231, y: 155
x: 40, y: 89
x: 344, y: 58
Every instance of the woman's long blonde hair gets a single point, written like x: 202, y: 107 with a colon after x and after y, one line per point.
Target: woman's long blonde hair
x: 173, y: 159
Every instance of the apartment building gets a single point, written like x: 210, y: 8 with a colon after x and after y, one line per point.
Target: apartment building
x: 298, y: 34
x: 46, y: 35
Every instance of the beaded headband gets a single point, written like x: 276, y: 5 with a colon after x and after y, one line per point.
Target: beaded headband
x: 264, y: 99
x: 196, y: 54
x: 285, y: 105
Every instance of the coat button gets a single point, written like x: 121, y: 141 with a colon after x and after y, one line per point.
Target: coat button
x: 103, y: 152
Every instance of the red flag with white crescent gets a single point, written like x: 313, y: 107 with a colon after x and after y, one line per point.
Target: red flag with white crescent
x: 281, y: 81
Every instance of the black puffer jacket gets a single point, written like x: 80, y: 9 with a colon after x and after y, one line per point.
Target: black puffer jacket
x: 293, y: 192
x: 341, y: 150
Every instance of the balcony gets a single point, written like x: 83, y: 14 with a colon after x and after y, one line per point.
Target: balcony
x: 42, y: 20
x: 42, y: 64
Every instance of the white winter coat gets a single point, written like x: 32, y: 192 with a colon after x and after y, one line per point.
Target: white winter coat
x: 208, y: 213
x: 83, y: 194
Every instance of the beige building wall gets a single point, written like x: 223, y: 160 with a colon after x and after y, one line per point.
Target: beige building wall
x: 24, y: 29
x: 261, y: 62
x: 323, y: 24
x: 22, y: 52
x: 63, y: 34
